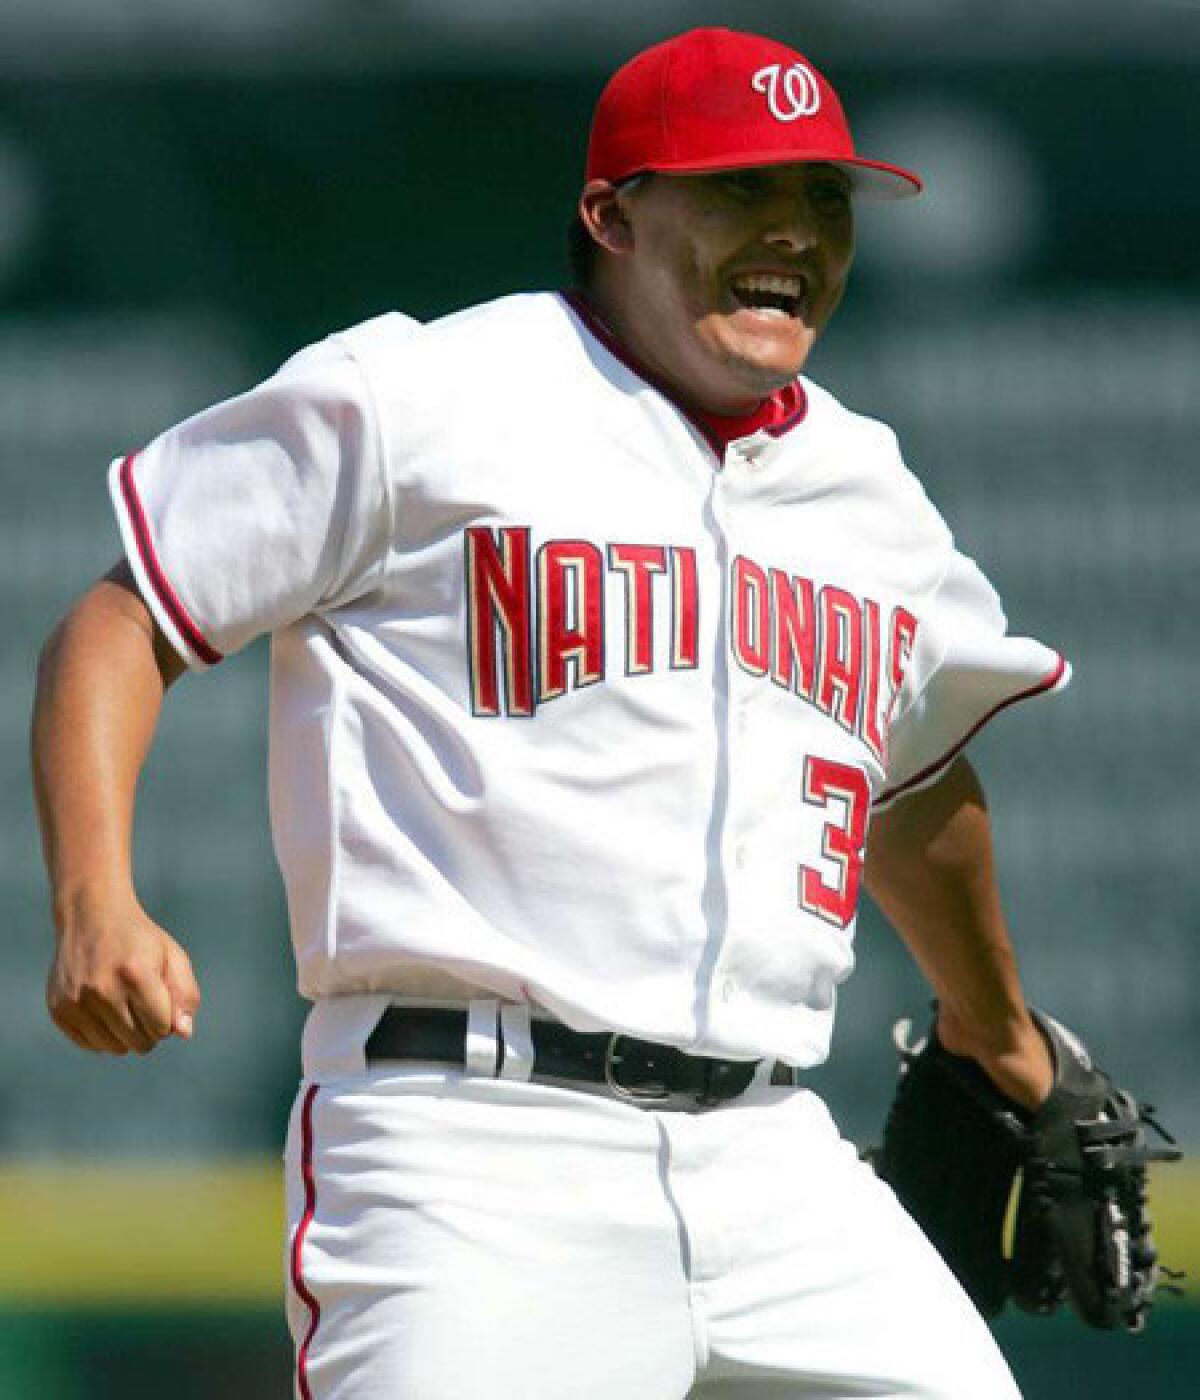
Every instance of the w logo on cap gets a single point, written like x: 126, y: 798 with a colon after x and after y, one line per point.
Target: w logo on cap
x: 790, y: 92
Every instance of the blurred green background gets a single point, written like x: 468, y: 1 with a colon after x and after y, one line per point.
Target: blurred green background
x: 191, y: 189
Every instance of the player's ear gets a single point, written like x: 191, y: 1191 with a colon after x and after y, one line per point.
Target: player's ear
x: 603, y: 214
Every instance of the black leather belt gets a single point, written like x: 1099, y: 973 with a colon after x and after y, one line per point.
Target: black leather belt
x: 633, y: 1069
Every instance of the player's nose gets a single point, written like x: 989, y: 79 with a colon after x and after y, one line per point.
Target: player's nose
x: 790, y: 226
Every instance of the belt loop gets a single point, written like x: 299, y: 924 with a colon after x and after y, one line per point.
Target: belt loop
x: 483, y: 1047
x: 780, y: 1075
x: 765, y: 1073
x: 517, y: 1040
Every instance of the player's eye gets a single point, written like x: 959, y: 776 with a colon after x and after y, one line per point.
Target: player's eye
x: 829, y: 195
x: 742, y: 184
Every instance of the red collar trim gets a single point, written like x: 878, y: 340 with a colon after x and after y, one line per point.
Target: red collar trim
x: 776, y: 415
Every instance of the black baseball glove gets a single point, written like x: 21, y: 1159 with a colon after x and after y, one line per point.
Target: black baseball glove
x: 955, y: 1149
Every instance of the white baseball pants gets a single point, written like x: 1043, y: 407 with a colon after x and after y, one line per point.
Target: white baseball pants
x: 460, y: 1238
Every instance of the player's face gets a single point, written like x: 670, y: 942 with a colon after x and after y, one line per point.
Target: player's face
x: 732, y: 276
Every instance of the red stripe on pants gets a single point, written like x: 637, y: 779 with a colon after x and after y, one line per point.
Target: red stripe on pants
x: 310, y: 1207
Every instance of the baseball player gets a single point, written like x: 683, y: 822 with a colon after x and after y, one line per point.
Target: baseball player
x: 611, y: 658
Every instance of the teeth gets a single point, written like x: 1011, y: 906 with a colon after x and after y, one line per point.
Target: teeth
x: 772, y: 283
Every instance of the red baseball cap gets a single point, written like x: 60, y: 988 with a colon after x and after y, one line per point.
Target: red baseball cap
x: 716, y: 99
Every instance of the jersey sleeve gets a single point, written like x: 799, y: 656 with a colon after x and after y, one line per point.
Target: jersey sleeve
x: 259, y: 510
x: 964, y: 669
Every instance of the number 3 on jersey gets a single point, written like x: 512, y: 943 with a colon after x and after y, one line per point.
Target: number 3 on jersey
x: 845, y: 794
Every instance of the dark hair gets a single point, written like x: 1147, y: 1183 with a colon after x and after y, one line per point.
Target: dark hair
x: 582, y: 251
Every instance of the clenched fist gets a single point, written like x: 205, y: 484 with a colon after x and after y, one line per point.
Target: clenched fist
x: 120, y: 983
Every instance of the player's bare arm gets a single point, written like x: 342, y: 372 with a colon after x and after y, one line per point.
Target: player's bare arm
x: 930, y: 868
x: 118, y: 982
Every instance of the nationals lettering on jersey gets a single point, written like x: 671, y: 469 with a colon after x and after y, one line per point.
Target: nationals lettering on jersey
x: 536, y: 626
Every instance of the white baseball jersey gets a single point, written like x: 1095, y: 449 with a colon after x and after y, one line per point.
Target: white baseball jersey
x: 574, y: 697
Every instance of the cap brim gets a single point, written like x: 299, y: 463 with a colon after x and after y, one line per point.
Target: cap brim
x: 872, y: 180
x: 876, y: 181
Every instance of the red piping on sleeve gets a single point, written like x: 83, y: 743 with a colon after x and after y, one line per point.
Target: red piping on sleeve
x: 1047, y: 683
x: 167, y: 596
x: 310, y: 1207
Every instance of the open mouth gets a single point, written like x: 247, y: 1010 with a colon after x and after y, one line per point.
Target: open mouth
x: 781, y: 293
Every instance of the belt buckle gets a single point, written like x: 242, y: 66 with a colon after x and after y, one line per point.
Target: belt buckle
x: 624, y: 1091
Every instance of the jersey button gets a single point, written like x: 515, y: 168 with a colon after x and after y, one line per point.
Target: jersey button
x: 739, y: 855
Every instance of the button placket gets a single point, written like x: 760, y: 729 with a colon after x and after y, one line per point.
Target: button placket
x: 721, y: 988
x: 734, y: 848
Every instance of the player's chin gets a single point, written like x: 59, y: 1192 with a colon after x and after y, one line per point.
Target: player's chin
x: 769, y: 346
x: 767, y: 368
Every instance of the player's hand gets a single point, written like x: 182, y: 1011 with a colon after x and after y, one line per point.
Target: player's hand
x: 120, y: 983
